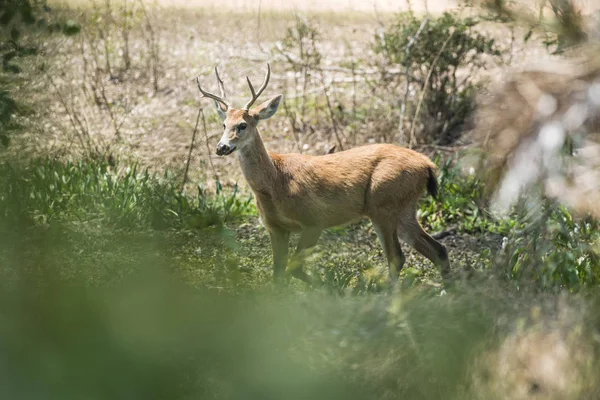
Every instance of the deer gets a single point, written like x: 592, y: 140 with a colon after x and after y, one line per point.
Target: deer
x: 306, y: 194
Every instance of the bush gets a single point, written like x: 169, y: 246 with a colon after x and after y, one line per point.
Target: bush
x: 544, y: 244
x: 449, y: 98
x: 553, y: 251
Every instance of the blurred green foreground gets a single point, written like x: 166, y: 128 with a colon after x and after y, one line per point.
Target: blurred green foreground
x: 95, y: 303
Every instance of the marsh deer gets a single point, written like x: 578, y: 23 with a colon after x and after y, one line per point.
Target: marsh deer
x: 308, y: 194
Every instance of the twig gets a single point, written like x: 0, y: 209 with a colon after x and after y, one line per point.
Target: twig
x: 422, y: 96
x: 189, y: 158
x: 443, y: 148
x: 293, y: 60
x: 153, y: 47
x: 78, y: 127
x: 126, y: 30
x: 104, y: 38
x: 206, y: 137
x: 377, y: 15
x: 331, y: 112
x: 292, y: 118
x: 258, y: 27
x: 407, y: 74
x: 111, y: 114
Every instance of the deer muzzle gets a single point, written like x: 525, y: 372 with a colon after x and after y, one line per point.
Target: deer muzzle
x: 224, y: 149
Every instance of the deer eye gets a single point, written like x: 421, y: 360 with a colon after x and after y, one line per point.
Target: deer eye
x: 242, y: 126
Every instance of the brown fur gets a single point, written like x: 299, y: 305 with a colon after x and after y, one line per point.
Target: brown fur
x: 307, y: 194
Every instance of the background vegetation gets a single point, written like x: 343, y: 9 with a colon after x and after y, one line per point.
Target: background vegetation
x: 132, y: 262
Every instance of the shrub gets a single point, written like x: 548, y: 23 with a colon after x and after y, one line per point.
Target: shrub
x: 452, y: 77
x: 553, y: 251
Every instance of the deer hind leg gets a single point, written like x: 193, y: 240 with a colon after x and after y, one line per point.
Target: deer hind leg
x: 388, y: 238
x: 308, y: 240
x: 413, y: 234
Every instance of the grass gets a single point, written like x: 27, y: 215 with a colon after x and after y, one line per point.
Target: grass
x: 100, y: 301
x: 93, y: 191
x: 216, y: 240
x: 149, y: 333
x: 91, y: 203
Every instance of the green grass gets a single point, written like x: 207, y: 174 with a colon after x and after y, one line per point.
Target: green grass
x: 98, y: 300
x: 150, y: 333
x: 92, y: 191
x: 216, y: 239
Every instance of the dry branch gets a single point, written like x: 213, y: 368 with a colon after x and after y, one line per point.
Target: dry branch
x: 422, y: 96
x: 407, y: 75
x: 189, y: 158
x: 206, y: 139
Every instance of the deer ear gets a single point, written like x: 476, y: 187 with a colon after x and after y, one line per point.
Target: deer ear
x: 220, y: 109
x: 267, y: 109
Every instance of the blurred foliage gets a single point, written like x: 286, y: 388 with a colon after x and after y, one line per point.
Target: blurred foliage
x: 93, y: 311
x: 450, y: 97
x: 144, y: 332
x: 540, y: 164
x: 568, y: 25
x: 566, y: 28
x: 19, y: 19
x: 92, y: 190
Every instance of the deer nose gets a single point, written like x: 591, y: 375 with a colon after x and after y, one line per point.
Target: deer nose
x: 223, y: 149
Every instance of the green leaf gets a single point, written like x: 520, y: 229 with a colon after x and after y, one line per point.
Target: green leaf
x: 15, y: 34
x: 9, y: 56
x: 14, y: 68
x: 7, y: 16
x: 5, y: 140
x: 71, y: 28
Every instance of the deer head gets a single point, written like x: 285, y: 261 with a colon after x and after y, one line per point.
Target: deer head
x: 239, y: 124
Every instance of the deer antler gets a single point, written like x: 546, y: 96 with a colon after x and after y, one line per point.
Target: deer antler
x: 255, y: 95
x: 221, y: 99
x: 221, y: 85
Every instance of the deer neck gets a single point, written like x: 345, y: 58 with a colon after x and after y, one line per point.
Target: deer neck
x: 257, y: 166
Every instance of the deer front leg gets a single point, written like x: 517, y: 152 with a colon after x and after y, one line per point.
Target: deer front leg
x: 279, y: 244
x: 308, y: 239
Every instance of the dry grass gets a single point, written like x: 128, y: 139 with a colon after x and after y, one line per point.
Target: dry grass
x: 303, y: 5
